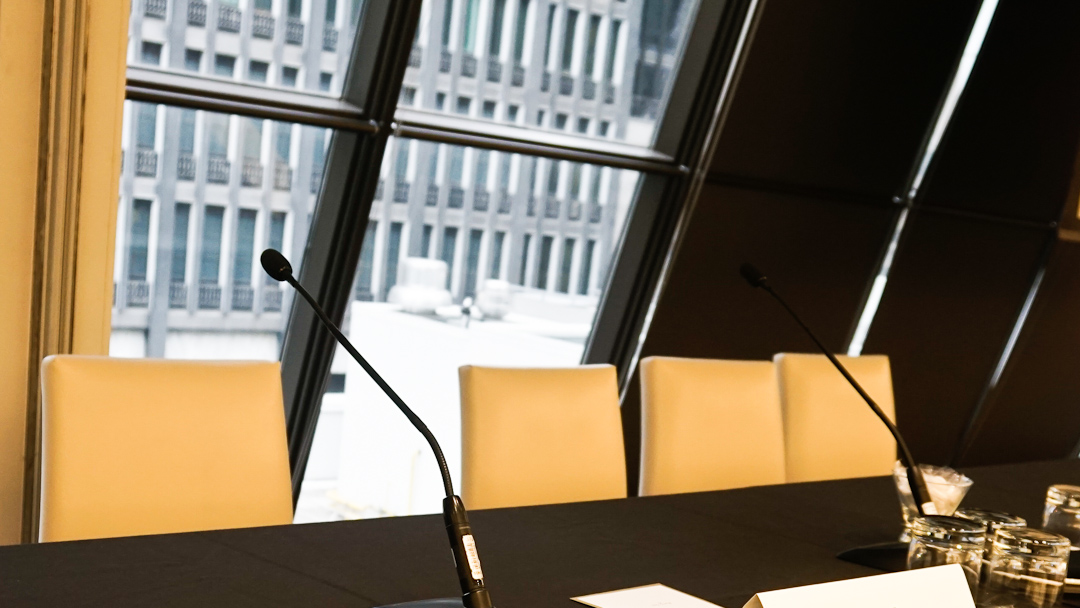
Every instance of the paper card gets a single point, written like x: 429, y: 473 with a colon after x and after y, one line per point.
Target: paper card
x: 940, y: 587
x: 649, y: 596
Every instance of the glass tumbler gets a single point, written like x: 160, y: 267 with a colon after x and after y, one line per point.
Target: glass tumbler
x: 1062, y: 512
x: 992, y: 521
x: 1027, y: 569
x: 937, y: 540
x: 947, y: 488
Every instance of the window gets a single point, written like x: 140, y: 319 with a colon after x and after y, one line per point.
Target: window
x: 277, y: 237
x: 223, y: 65
x: 408, y: 96
x: 449, y: 247
x: 496, y: 254
x: 210, y: 261
x: 326, y: 79
x: 498, y: 11
x: 583, y: 125
x: 612, y: 50
x: 294, y: 8
x: 362, y: 286
x: 192, y: 60
x: 547, y: 35
x: 178, y: 264
x: 288, y: 76
x: 560, y: 121
x: 284, y: 142
x: 440, y: 101
x: 568, y: 40
x: 586, y: 267
x: 603, y: 129
x: 489, y: 109
x: 472, y: 261
x: 217, y: 130
x: 470, y: 23
x: 575, y: 181
x: 336, y: 384
x: 393, y: 253
x: 147, y: 126
x: 401, y: 166
x: 512, y: 113
x: 540, y: 118
x: 151, y: 53
x: 463, y: 105
x: 139, y: 239
x: 425, y: 241
x: 590, y: 45
x: 545, y: 261
x: 257, y: 71
x: 526, y: 240
x: 448, y: 21
x: 565, y: 265
x: 519, y: 31
x: 243, y: 256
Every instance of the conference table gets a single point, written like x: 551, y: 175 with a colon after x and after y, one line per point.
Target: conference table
x: 722, y: 546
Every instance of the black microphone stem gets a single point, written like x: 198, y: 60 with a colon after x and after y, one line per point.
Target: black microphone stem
x: 919, y: 491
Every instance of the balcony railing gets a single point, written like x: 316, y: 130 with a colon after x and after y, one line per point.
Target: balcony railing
x: 506, y: 200
x: 481, y: 199
x: 595, y: 211
x: 228, y: 19
x: 217, y: 169
x: 457, y: 198
x: 566, y: 84
x: 588, y: 89
x: 282, y: 176
x: 573, y: 211
x: 177, y: 295
x: 530, y: 209
x: 416, y: 56
x: 379, y: 188
x: 432, y: 195
x: 243, y: 297
x: 494, y: 70
x: 262, y: 25
x: 156, y: 8
x: 294, y: 31
x: 551, y: 207
x: 316, y: 179
x: 545, y: 81
x: 445, y: 59
x: 209, y: 296
x: 609, y: 93
x: 138, y: 294
x: 145, y: 162
x: 196, y: 13
x: 468, y: 66
x: 271, y: 299
x: 517, y: 77
x: 329, y: 39
x: 185, y: 167
x: 401, y: 192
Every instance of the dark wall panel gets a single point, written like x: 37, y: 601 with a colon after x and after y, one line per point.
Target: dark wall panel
x: 837, y: 94
x: 951, y: 301
x: 1035, y: 414
x: 1010, y: 146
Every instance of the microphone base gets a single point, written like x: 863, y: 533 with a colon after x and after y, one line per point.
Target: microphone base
x: 889, y: 557
x: 443, y: 602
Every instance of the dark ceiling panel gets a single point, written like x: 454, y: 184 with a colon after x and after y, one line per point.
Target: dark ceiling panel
x: 819, y: 254
x: 838, y: 94
x: 1010, y: 147
x: 1035, y: 413
x: 951, y: 301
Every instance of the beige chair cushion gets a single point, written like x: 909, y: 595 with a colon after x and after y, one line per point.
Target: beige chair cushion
x: 540, y: 436
x: 829, y: 431
x: 143, y: 446
x: 709, y: 425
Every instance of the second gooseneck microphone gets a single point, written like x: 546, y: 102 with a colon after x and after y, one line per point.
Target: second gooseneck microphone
x: 919, y: 491
x: 470, y: 575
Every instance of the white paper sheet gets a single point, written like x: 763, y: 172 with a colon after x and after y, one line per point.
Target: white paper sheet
x: 940, y: 587
x: 649, y: 596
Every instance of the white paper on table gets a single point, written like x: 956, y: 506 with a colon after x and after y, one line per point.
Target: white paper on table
x: 649, y: 596
x: 938, y: 587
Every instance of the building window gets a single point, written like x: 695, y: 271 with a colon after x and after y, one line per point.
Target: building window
x: 151, y: 53
x: 139, y: 239
x: 575, y: 181
x: 583, y: 125
x: 464, y: 104
x: 498, y: 11
x: 488, y: 109
x: 178, y: 264
x: 284, y: 142
x: 440, y: 101
x: 408, y: 96
x: 325, y: 80
x: 547, y: 35
x: 603, y: 129
x: 553, y: 178
x: 540, y: 114
x: 565, y: 265
x: 425, y: 241
x: 545, y: 261
x: 470, y: 22
x: 483, y: 160
x: 401, y: 165
x: 224, y: 65
x: 217, y: 129
x: 496, y: 254
x: 362, y: 289
x: 512, y: 113
x: 449, y: 246
x: 277, y: 236
x: 612, y: 50
x: 192, y: 60
x: 447, y: 23
x: 257, y: 70
x: 590, y: 45
x: 525, y: 243
x: 294, y: 8
x: 519, y: 31
x: 560, y: 121
x: 393, y: 252
x: 586, y: 267
x: 457, y: 166
x: 243, y: 257
x: 336, y: 384
x: 146, y: 130
x: 210, y: 260
x: 568, y: 40
x: 472, y: 261
x: 288, y: 76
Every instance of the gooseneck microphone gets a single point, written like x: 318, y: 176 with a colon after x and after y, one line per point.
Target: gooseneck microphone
x: 473, y: 591
x: 919, y: 491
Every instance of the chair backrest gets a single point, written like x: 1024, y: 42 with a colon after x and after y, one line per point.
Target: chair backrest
x: 709, y: 425
x: 540, y: 436
x: 829, y: 431
x: 144, y: 446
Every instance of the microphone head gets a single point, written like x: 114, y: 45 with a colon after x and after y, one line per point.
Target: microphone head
x: 753, y: 276
x: 275, y: 265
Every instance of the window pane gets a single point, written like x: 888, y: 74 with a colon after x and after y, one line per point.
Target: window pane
x: 280, y: 44
x: 479, y: 224
x: 612, y: 61
x: 195, y: 212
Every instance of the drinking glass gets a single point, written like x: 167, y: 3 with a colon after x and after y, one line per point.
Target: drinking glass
x: 947, y: 488
x: 1027, y: 569
x: 1062, y: 512
x: 937, y: 540
x: 992, y: 521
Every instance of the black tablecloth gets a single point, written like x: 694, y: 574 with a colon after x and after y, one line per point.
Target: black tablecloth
x: 721, y: 546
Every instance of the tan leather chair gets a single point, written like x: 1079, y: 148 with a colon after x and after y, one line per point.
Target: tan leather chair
x: 540, y: 436
x: 144, y: 446
x: 829, y: 431
x: 709, y: 425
